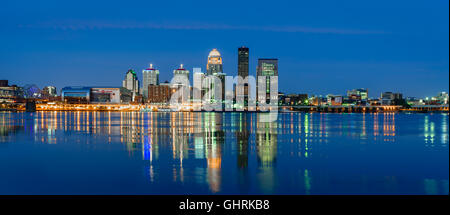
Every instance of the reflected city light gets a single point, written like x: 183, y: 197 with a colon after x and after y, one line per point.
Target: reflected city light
x: 220, y: 151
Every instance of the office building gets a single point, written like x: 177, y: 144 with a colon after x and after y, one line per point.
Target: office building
x: 361, y: 94
x: 198, y: 91
x: 77, y: 95
x: 334, y: 100
x: 150, y: 76
x: 390, y: 98
x: 179, y: 75
x: 243, y: 68
x: 131, y: 82
x: 268, y: 68
x: 214, y: 65
x: 49, y: 91
x: 105, y: 95
x: 9, y: 94
x: 441, y: 98
x: 214, y: 68
x: 160, y: 93
x: 96, y: 95
x: 181, y: 72
x: 295, y: 99
x: 243, y: 55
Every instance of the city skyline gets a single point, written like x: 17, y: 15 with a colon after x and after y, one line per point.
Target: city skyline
x: 229, y: 106
x: 141, y: 78
x: 409, y: 43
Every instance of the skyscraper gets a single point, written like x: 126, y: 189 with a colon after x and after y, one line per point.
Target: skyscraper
x: 150, y: 76
x: 181, y: 71
x: 198, y: 89
x: 268, y: 68
x: 215, y: 68
x: 180, y: 85
x: 243, y: 54
x: 214, y: 65
x: 131, y: 82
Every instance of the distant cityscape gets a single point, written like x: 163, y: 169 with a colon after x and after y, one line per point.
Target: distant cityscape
x: 154, y: 94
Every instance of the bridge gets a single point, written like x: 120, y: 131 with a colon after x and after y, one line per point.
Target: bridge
x: 343, y: 109
x: 428, y: 108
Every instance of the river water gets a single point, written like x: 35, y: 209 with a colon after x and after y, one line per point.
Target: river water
x: 223, y: 153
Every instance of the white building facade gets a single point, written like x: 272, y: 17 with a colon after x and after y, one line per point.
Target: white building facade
x: 150, y: 76
x: 131, y: 82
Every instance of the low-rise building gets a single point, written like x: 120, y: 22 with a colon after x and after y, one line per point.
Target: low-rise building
x: 84, y: 95
x: 160, y: 93
x: 334, y: 100
x: 441, y: 98
x: 390, y: 98
x: 296, y: 99
x: 76, y: 95
x: 9, y: 94
x: 105, y: 95
x: 361, y: 94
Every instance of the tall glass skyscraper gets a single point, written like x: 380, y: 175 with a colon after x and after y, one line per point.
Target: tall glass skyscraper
x: 243, y: 61
x: 243, y: 54
x: 150, y: 76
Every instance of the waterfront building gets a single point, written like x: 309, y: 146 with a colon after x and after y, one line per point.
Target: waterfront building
x: 296, y: 99
x: 390, y: 98
x: 413, y: 101
x: 361, y: 94
x: 131, y: 82
x: 150, y: 76
x: 268, y: 68
x: 160, y: 93
x: 126, y: 96
x: 105, y: 95
x: 49, y: 91
x: 334, y: 100
x: 441, y: 98
x: 9, y: 94
x: 373, y: 102
x: 76, y: 95
x: 99, y: 95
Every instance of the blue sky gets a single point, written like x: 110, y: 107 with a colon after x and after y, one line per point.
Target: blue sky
x: 322, y: 46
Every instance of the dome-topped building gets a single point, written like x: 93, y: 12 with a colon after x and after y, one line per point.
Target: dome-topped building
x: 214, y: 53
x: 214, y: 65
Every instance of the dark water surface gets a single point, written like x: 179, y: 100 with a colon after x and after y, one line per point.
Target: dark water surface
x: 223, y: 153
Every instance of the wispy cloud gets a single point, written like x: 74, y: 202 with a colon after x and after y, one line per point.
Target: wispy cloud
x: 96, y: 25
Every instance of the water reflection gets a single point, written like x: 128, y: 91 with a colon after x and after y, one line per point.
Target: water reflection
x: 303, y: 153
